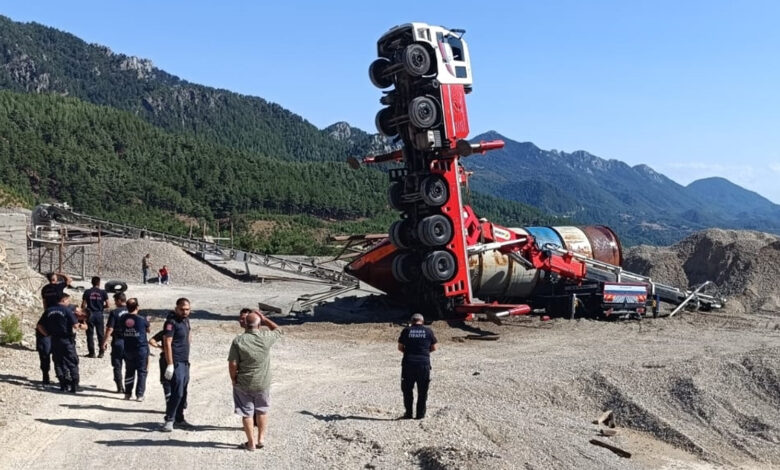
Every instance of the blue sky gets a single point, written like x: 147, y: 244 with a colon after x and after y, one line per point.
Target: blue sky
x: 690, y: 88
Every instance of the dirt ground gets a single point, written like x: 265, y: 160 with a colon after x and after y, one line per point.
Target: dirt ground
x: 701, y: 390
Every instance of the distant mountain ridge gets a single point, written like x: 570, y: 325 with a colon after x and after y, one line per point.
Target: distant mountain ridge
x: 39, y: 59
x: 642, y: 204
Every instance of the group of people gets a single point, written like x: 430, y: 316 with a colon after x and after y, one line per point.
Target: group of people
x: 163, y: 275
x: 248, y: 358
x: 128, y: 332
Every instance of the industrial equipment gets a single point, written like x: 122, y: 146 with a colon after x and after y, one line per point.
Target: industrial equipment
x: 442, y: 258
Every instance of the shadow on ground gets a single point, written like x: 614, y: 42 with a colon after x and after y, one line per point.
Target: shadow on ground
x: 109, y: 408
x: 88, y: 424
x: 338, y: 417
x: 165, y: 443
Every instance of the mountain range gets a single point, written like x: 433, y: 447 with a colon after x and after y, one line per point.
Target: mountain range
x: 220, y: 138
x: 638, y: 202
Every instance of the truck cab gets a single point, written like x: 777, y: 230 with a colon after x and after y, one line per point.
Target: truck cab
x: 435, y: 51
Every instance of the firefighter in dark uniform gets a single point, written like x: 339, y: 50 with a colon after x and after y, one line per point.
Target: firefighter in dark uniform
x: 59, y: 323
x: 416, y: 343
x: 157, y: 342
x: 136, y: 348
x: 50, y: 294
x: 176, y: 347
x: 113, y: 330
x: 95, y: 301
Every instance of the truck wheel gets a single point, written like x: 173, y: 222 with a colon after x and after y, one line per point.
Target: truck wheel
x: 424, y: 112
x: 405, y: 268
x: 416, y: 60
x: 435, y: 230
x: 116, y: 287
x: 434, y: 190
x: 394, y: 193
x: 439, y: 266
x: 399, y: 234
x: 382, y: 122
x: 376, y: 73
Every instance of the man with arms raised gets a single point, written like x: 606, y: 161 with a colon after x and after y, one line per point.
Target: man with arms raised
x: 249, y: 365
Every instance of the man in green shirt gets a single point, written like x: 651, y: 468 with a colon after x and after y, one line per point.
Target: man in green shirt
x: 249, y: 364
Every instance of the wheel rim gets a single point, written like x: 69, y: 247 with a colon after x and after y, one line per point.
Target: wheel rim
x: 434, y: 191
x: 435, y: 230
x: 439, y: 266
x: 423, y: 112
x: 417, y: 60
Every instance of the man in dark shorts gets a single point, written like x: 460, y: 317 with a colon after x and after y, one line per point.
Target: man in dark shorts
x: 50, y: 294
x: 176, y: 348
x: 249, y: 366
x: 113, y: 331
x: 416, y: 343
x: 95, y: 301
x: 59, y: 323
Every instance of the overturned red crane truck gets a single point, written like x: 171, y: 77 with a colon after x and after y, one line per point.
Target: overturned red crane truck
x: 442, y: 258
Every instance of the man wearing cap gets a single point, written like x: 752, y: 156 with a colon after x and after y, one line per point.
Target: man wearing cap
x: 416, y: 342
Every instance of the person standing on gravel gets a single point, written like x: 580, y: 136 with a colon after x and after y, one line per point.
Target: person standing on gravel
x: 95, y: 301
x: 146, y: 264
x: 59, y: 323
x: 136, y: 350
x: 416, y: 342
x: 113, y: 330
x: 50, y: 295
x: 177, y: 338
x: 249, y: 366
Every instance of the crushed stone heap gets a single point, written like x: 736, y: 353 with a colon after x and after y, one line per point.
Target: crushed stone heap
x: 120, y: 259
x: 744, y: 264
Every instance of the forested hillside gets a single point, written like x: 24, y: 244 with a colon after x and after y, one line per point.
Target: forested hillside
x: 39, y: 59
x: 113, y: 164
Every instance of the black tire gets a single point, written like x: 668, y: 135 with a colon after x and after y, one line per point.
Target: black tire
x: 405, y: 268
x: 416, y: 60
x: 435, y: 230
x: 424, y: 112
x: 116, y: 287
x: 394, y: 193
x: 434, y: 190
x: 439, y: 266
x: 376, y: 73
x: 382, y: 122
x: 399, y: 234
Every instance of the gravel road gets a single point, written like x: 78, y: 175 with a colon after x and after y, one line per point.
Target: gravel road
x: 698, y: 391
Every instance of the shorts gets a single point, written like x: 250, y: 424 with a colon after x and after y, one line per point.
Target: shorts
x: 248, y: 403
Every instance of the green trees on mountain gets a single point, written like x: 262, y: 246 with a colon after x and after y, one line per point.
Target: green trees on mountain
x: 40, y: 59
x: 113, y: 164
x: 135, y: 144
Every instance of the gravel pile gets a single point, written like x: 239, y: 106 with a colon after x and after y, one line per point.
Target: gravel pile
x: 120, y: 259
x: 745, y: 265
